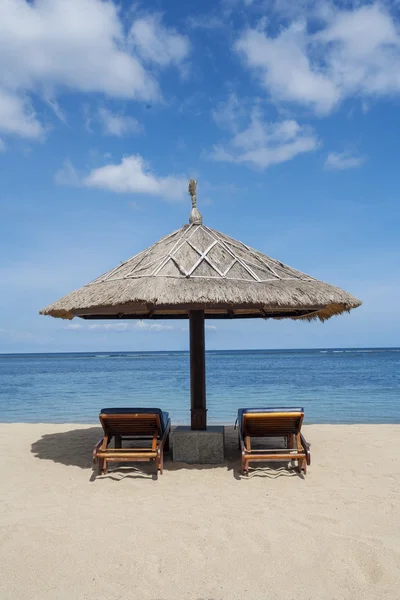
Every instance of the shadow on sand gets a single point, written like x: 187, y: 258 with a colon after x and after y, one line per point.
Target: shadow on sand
x: 74, y: 448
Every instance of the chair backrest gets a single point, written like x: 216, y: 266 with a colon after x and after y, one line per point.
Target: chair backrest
x: 276, y: 422
x: 132, y: 422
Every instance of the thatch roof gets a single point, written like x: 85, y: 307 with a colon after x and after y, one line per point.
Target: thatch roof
x: 200, y: 268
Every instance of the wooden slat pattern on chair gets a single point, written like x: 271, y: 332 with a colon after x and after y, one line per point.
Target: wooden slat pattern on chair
x: 267, y: 424
x: 125, y: 424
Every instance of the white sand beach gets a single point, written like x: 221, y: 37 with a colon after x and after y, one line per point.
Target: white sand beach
x: 199, y: 533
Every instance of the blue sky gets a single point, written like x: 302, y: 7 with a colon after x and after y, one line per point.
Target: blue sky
x: 287, y: 113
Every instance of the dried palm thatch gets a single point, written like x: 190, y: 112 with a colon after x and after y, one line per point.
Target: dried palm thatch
x: 198, y: 268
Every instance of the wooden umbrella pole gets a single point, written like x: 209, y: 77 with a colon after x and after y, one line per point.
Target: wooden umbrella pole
x: 197, y: 370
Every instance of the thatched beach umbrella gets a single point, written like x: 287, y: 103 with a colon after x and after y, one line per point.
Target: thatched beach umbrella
x: 197, y: 273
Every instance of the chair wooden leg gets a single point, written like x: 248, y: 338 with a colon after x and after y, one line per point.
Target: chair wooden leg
x: 157, y: 461
x: 302, y: 465
x: 104, y: 466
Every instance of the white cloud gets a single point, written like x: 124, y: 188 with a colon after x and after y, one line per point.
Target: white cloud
x: 73, y: 326
x: 77, y: 44
x: 158, y: 44
x: 354, y: 53
x: 284, y: 67
x: 264, y: 144
x: 118, y: 124
x: 120, y: 326
x: 343, y: 160
x: 108, y: 326
x: 144, y: 326
x: 17, y: 116
x: 55, y: 107
x: 132, y: 175
x: 49, y: 46
x: 16, y: 335
x: 128, y: 326
x: 364, y: 55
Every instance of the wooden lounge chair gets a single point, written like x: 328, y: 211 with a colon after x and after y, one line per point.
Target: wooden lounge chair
x: 272, y: 423
x: 139, y: 425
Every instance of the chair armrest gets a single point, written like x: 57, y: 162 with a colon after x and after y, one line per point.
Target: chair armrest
x: 306, y: 447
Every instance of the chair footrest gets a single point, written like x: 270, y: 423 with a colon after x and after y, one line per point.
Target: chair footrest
x: 271, y: 456
x: 126, y: 453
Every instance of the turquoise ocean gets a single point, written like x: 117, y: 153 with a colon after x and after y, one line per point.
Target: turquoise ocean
x: 359, y: 385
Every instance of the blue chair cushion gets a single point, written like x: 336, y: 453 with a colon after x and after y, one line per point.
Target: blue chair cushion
x: 164, y: 416
x: 270, y: 409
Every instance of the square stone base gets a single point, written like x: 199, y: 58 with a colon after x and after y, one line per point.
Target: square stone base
x: 198, y: 447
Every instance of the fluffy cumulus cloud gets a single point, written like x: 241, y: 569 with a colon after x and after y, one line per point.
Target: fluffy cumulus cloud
x: 262, y: 144
x: 352, y: 53
x: 48, y: 46
x: 133, y: 176
x: 156, y: 44
x: 343, y: 160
